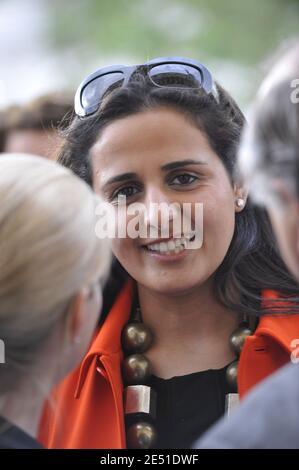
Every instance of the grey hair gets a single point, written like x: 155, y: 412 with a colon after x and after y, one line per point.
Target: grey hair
x: 270, y: 144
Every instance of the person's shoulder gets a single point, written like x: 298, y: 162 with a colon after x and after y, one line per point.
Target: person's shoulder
x: 12, y: 437
x: 267, y: 418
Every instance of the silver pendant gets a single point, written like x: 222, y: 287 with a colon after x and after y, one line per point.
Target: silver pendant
x: 140, y: 399
x: 231, y: 402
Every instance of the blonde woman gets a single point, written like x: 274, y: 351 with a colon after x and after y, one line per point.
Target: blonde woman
x: 51, y: 268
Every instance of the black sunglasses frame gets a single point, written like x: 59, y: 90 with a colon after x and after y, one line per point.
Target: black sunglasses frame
x: 207, y: 82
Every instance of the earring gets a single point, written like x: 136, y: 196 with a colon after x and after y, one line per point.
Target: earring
x: 240, y: 202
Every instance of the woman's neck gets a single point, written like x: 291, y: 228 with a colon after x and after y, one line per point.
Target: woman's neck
x: 23, y: 407
x: 191, y: 330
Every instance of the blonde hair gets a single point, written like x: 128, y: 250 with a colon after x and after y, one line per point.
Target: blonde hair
x: 48, y: 251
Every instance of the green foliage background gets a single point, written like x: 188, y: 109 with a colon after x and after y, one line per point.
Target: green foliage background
x: 242, y: 30
x: 239, y: 32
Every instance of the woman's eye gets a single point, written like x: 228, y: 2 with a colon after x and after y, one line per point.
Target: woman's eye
x: 184, y: 179
x: 127, y: 191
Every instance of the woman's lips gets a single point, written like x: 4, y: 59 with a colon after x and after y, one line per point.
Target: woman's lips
x: 170, y: 257
x: 169, y: 250
x: 169, y: 244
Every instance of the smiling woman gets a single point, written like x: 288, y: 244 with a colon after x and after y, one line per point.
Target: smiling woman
x: 177, y: 166
x: 168, y: 134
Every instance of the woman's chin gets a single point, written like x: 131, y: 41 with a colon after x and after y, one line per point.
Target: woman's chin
x: 172, y: 287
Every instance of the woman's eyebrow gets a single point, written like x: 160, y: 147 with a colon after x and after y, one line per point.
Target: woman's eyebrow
x: 168, y: 166
x: 180, y: 163
x: 120, y: 178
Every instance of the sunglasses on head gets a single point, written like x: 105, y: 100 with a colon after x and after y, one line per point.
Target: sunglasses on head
x: 175, y: 72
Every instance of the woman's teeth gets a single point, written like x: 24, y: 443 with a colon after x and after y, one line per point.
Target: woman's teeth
x: 169, y: 247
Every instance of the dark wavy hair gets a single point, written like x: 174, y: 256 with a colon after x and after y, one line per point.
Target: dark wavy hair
x: 252, y: 262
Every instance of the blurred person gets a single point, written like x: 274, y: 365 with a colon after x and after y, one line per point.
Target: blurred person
x: 177, y: 321
x: 51, y: 266
x: 269, y: 159
x: 34, y: 127
x: 268, y: 418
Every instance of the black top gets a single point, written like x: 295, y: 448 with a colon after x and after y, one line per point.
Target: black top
x: 12, y: 437
x: 188, y: 405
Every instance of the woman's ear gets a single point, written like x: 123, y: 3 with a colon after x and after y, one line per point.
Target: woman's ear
x: 79, y: 326
x: 76, y: 315
x: 240, y: 195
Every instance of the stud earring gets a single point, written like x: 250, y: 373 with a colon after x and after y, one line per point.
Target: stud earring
x: 240, y: 202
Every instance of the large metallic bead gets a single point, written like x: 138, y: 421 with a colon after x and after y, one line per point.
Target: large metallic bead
x: 137, y: 337
x: 232, y: 375
x: 136, y: 369
x: 238, y: 337
x: 141, y: 436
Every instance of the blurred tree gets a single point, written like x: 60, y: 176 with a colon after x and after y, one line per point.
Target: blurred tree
x: 240, y: 30
x: 230, y: 36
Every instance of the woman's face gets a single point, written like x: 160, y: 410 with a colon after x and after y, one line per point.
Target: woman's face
x: 158, y: 156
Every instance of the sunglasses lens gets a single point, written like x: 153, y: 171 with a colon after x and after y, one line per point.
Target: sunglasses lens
x: 168, y: 73
x: 94, y: 91
x: 176, y: 75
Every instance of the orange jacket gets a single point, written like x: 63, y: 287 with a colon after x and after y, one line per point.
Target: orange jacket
x: 88, y: 404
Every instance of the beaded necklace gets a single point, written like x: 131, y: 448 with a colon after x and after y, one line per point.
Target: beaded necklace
x: 140, y: 399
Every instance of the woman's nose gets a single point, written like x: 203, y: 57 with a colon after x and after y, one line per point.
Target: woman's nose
x: 159, y: 211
